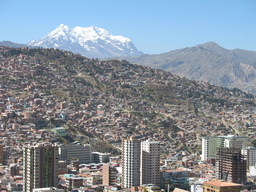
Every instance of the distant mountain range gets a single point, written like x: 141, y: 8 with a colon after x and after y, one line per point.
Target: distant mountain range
x: 92, y: 42
x: 11, y: 44
x: 207, y: 62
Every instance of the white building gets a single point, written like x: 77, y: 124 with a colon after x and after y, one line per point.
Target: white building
x: 250, y: 156
x: 81, y: 152
x: 150, y: 163
x: 210, y: 144
x: 252, y: 172
x: 197, y: 186
x: 131, y: 162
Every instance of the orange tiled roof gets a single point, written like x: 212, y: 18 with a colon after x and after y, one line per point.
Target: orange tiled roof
x: 220, y: 183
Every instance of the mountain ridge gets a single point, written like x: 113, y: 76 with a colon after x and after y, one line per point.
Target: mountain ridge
x: 12, y: 44
x: 207, y: 62
x: 204, y: 62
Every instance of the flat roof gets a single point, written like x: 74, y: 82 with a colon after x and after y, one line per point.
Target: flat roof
x: 220, y: 183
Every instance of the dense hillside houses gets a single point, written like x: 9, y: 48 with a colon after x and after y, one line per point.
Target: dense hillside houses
x: 53, y: 96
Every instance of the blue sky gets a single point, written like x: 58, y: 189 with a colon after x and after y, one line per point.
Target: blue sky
x: 154, y: 26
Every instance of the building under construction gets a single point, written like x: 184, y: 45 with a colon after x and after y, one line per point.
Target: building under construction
x: 231, y: 165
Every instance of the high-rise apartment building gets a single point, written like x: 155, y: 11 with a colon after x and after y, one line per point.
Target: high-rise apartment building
x: 141, y: 162
x: 150, y: 163
x: 40, y: 166
x: 231, y: 165
x: 250, y: 156
x: 211, y: 144
x: 131, y: 162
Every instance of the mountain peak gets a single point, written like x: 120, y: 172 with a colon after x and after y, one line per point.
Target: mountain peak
x: 62, y: 27
x: 210, y: 45
x: 95, y: 28
x: 213, y: 47
x: 89, y: 41
x: 91, y: 32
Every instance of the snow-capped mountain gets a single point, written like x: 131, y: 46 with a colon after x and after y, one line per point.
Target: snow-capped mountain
x: 91, y: 42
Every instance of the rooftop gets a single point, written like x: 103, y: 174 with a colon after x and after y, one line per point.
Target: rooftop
x: 221, y: 183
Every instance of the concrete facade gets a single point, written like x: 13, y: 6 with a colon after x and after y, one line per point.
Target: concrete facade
x: 150, y: 163
x: 40, y: 166
x: 131, y: 162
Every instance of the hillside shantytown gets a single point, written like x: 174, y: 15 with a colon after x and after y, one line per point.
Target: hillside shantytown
x: 69, y: 123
